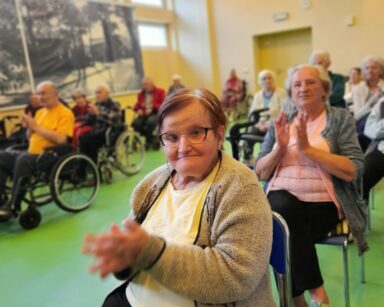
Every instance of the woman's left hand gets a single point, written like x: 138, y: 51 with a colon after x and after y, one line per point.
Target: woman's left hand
x: 115, y: 250
x: 301, y: 132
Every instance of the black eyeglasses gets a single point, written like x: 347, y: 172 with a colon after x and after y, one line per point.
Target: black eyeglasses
x: 194, y: 136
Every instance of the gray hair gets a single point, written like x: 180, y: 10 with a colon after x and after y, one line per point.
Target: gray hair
x: 265, y: 72
x: 321, y: 73
x: 103, y: 86
x: 319, y: 53
x: 375, y: 59
x: 78, y: 92
x: 50, y: 84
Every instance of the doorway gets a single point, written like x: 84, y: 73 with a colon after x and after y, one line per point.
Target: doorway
x: 280, y: 51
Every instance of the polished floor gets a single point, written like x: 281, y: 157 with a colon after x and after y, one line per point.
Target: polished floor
x: 45, y: 268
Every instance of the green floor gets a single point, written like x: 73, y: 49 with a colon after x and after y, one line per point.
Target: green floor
x: 44, y: 267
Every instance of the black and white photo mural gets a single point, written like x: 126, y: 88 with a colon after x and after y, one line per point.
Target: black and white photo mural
x: 72, y: 43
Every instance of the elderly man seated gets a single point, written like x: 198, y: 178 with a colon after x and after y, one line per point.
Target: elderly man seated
x: 108, y: 114
x: 148, y: 103
x: 52, y: 125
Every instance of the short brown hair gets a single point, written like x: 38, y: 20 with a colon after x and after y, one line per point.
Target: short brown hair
x: 182, y: 97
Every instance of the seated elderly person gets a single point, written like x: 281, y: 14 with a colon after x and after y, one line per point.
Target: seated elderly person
x: 233, y: 90
x: 52, y: 125
x: 367, y: 94
x: 354, y: 80
x: 82, y: 110
x: 336, y: 97
x: 191, y: 239
x: 108, y: 115
x: 374, y: 157
x: 176, y: 84
x: 270, y: 96
x: 147, y: 106
x: 312, y: 162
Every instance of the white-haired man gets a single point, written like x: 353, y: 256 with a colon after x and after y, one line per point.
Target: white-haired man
x: 320, y: 57
x: 108, y: 114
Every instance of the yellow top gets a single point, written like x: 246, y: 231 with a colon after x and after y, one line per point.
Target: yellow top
x: 59, y: 119
x: 175, y: 216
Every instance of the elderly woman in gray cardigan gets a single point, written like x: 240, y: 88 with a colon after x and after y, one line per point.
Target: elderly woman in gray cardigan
x: 200, y: 228
x: 313, y: 164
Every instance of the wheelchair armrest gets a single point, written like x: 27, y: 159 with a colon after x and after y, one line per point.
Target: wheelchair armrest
x: 17, y: 147
x: 59, y: 150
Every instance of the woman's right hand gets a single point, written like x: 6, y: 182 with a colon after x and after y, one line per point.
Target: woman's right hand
x: 282, y: 131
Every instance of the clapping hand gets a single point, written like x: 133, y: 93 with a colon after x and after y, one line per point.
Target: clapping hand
x: 301, y: 132
x: 282, y: 131
x: 29, y: 122
x: 116, y: 249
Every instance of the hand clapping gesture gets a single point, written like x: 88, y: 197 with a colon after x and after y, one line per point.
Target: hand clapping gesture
x: 300, y: 123
x: 116, y: 249
x: 282, y: 131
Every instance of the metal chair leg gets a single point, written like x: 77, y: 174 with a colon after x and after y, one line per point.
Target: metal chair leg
x: 372, y: 198
x: 346, y: 275
x: 362, y: 268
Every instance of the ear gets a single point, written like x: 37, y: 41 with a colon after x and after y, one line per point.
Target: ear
x: 220, y: 134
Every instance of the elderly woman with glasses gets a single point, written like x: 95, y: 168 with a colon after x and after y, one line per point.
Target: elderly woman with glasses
x: 200, y: 228
x: 312, y: 162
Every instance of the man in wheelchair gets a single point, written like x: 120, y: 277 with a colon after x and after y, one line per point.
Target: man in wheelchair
x: 107, y: 121
x: 52, y: 125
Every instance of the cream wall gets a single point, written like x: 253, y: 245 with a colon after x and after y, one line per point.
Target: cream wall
x: 235, y: 23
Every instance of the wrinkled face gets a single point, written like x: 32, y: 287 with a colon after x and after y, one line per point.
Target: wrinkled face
x: 267, y: 82
x: 148, y: 85
x: 48, y: 97
x: 188, y: 159
x: 80, y: 100
x: 354, y: 76
x: 176, y: 82
x: 101, y: 94
x: 307, y: 89
x: 35, y: 101
x: 372, y: 71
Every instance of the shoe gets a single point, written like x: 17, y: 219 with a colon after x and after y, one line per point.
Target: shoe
x: 318, y: 304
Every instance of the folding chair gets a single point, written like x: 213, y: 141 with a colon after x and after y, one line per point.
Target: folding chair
x: 280, y: 260
x: 342, y: 240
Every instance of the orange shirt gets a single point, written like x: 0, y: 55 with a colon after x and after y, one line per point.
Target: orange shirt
x: 59, y: 119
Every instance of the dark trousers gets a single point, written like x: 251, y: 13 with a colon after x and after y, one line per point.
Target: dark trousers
x: 90, y: 143
x: 145, y: 125
x: 374, y: 170
x: 308, y: 223
x: 117, y: 298
x: 20, y: 165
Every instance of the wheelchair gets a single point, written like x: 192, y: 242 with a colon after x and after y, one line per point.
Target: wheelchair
x: 68, y: 178
x: 124, y: 151
x: 242, y: 134
x: 17, y: 134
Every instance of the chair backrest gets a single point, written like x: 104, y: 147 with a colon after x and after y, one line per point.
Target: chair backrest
x: 280, y: 260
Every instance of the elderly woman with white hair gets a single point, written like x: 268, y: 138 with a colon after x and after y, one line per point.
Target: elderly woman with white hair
x: 367, y: 94
x: 313, y: 164
x: 270, y: 96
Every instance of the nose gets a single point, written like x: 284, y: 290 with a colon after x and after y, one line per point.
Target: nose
x: 184, y: 144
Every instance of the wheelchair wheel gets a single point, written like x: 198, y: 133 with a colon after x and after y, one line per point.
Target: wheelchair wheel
x: 129, y: 153
x: 30, y: 218
x: 74, y: 182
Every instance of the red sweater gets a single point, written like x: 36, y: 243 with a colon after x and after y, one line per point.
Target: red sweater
x: 158, y: 98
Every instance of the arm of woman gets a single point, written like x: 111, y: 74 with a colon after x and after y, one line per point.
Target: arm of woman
x: 340, y: 164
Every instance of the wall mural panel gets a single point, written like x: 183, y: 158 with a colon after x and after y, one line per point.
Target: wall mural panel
x: 72, y: 43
